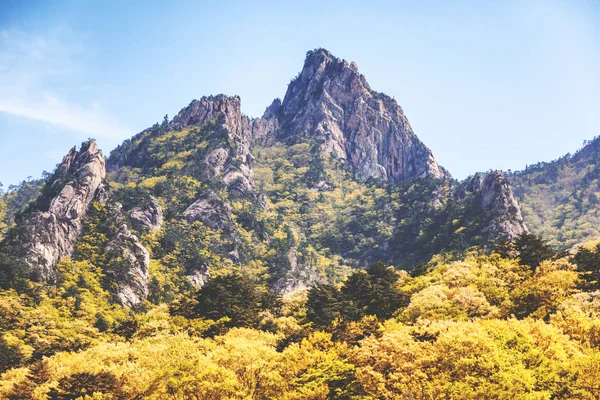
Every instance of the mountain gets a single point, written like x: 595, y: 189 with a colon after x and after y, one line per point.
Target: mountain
x: 329, y: 179
x: 560, y: 200
x: 316, y: 252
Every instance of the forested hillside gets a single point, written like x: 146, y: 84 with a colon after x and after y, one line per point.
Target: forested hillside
x: 560, y: 199
x: 15, y: 198
x: 480, y: 326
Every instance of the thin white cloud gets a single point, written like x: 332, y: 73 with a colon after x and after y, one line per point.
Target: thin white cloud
x: 93, y: 120
x: 36, y: 73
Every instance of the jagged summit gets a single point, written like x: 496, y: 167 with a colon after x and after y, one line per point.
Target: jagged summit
x: 332, y: 102
x: 329, y: 102
x: 273, y: 110
x: 207, y: 108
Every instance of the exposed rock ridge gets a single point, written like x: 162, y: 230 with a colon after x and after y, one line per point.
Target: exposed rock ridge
x: 51, y: 234
x: 332, y: 102
x: 132, y: 282
x: 497, y: 202
x: 53, y: 227
x: 233, y: 163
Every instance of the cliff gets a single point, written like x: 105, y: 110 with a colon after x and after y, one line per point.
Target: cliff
x: 332, y: 102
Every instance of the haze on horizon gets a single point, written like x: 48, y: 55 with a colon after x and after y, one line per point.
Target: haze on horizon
x: 485, y: 86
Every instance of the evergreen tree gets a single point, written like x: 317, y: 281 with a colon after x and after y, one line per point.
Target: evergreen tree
x: 384, y: 297
x: 323, y: 306
x: 164, y: 127
x: 101, y: 322
x: 371, y: 293
x: 232, y: 296
x: 364, y: 293
x: 356, y: 293
x: 532, y: 250
x: 588, y: 262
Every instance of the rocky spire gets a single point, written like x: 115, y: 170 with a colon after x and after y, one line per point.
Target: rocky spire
x: 51, y: 231
x: 264, y: 129
x: 333, y: 103
x: 497, y: 204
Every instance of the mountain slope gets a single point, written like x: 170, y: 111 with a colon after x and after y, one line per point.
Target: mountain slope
x: 290, y: 191
x: 174, y: 271
x: 560, y: 199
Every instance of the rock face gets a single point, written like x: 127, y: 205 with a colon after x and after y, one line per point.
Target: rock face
x: 132, y: 282
x: 264, y: 129
x: 232, y: 163
x: 497, y: 203
x: 212, y: 211
x: 52, y: 233
x: 333, y: 103
x: 149, y: 216
x: 299, y: 275
x: 199, y: 277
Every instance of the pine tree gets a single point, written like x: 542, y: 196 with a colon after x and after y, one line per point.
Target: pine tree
x: 232, y: 296
x: 322, y: 305
x: 532, y: 250
x: 588, y: 262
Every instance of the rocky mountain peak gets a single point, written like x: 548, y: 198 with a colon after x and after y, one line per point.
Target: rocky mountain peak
x: 320, y: 62
x: 233, y: 163
x: 208, y: 108
x: 332, y: 102
x: 273, y: 110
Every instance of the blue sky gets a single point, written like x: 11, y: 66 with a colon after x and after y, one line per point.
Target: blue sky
x: 486, y: 85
